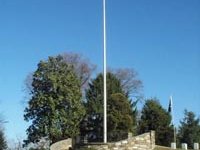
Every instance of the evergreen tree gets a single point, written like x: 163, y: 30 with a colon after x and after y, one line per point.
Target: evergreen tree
x: 94, y: 105
x: 3, y: 144
x: 94, y: 94
x: 154, y: 117
x: 82, y: 68
x: 55, y: 108
x: 189, y: 130
x: 120, y: 120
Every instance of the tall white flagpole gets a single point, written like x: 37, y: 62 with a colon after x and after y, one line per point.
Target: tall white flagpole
x: 104, y: 71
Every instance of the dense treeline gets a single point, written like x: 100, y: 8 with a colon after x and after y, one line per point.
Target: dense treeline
x: 66, y: 100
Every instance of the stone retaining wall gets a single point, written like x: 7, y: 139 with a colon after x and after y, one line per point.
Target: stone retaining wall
x: 62, y: 145
x: 145, y: 141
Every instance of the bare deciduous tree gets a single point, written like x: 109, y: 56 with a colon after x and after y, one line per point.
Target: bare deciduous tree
x: 82, y: 66
x: 130, y: 83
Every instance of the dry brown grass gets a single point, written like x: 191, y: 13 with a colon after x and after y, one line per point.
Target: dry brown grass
x: 163, y: 148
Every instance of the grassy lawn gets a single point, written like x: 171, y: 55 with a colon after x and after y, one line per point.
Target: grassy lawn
x: 164, y: 148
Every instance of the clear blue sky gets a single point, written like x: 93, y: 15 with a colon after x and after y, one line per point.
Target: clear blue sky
x: 159, y: 39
